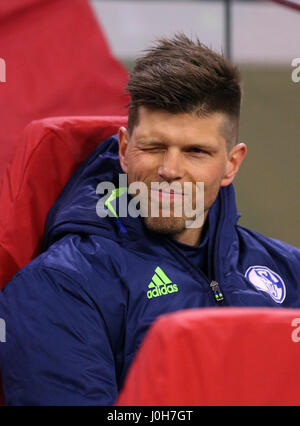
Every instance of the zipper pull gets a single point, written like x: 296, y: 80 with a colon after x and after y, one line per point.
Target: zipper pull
x: 216, y: 291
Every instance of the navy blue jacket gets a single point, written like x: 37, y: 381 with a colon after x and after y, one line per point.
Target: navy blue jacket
x: 76, y: 315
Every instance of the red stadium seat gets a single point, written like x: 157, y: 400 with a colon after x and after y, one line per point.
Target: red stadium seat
x: 50, y: 152
x: 58, y: 63
x: 218, y: 356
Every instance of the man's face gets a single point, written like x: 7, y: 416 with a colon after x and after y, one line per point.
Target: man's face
x: 178, y: 148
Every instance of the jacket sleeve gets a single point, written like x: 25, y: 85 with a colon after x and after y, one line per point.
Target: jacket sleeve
x: 57, y: 349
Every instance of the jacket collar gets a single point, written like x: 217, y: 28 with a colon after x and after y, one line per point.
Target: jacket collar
x: 75, y: 211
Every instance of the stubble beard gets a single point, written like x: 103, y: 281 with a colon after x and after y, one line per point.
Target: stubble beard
x: 170, y: 224
x: 165, y: 225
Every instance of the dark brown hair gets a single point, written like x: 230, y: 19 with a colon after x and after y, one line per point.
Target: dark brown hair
x: 180, y: 75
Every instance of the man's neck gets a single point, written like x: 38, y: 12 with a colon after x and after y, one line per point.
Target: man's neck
x: 191, y: 236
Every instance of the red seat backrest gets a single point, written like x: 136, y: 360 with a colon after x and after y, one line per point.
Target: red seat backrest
x: 50, y: 152
x: 218, y: 356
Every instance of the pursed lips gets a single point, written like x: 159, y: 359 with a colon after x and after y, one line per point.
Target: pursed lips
x: 170, y: 195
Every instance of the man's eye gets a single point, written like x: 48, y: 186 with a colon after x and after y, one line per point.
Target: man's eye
x: 197, y: 151
x: 153, y: 149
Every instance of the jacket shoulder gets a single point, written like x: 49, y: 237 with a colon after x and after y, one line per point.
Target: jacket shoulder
x: 84, y: 265
x: 83, y: 254
x: 273, y: 245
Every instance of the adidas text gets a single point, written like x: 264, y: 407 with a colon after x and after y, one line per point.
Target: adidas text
x: 162, y: 290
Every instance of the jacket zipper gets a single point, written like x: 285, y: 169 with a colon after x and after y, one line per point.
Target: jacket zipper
x: 213, y: 285
x: 219, y: 297
x: 217, y: 245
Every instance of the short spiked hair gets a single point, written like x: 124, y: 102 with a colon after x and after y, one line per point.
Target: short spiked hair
x: 179, y: 75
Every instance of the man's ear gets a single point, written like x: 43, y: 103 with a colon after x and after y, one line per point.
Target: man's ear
x: 234, y: 161
x: 123, y: 144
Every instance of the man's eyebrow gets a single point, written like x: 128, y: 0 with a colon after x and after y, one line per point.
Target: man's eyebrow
x: 205, y: 146
x: 148, y: 141
x: 202, y: 145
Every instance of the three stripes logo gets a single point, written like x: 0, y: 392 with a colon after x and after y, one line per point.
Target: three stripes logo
x: 160, y: 284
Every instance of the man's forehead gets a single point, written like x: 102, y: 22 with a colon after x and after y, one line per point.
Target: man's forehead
x: 162, y: 126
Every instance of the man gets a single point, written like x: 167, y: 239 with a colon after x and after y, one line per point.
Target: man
x: 77, y: 314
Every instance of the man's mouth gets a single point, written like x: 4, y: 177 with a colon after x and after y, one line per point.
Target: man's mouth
x: 167, y: 195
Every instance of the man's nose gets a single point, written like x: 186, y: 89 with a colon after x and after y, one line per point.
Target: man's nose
x: 171, y: 167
